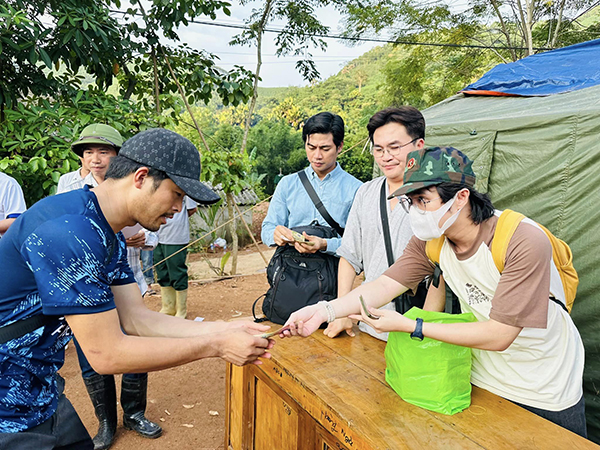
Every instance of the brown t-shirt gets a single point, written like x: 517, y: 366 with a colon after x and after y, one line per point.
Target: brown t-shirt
x: 522, y: 296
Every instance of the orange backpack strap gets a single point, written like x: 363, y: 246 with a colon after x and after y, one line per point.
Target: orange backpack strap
x: 505, y: 228
x: 433, y: 249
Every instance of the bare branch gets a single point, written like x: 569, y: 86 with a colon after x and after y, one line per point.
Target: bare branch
x: 558, y: 23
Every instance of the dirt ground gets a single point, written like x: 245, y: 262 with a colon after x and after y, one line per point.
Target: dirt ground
x: 180, y: 399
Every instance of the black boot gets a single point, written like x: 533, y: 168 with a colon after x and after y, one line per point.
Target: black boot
x: 133, y: 401
x: 103, y: 393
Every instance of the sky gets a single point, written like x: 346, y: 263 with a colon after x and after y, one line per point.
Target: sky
x: 275, y: 71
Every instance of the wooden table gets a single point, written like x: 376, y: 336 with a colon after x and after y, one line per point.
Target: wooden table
x: 322, y: 393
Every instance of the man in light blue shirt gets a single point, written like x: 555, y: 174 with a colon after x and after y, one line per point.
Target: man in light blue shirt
x: 323, y: 136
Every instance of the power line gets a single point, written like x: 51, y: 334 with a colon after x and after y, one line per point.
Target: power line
x: 358, y: 39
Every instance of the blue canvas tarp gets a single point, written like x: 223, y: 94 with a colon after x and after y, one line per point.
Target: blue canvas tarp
x: 563, y: 70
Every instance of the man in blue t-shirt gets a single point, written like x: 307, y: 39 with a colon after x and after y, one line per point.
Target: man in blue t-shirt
x: 64, y: 271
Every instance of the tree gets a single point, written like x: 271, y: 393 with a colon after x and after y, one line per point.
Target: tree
x: 82, y: 34
x: 450, y: 47
x: 35, y: 138
x: 515, y: 28
x: 301, y: 29
x: 70, y: 52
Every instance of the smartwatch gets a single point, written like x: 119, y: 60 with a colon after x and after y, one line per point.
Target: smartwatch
x: 417, y: 335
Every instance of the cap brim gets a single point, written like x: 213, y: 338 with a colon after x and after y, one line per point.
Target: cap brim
x: 196, y: 190
x: 76, y: 146
x: 411, y: 187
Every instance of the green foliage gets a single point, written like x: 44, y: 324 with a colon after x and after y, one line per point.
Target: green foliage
x: 275, y: 141
x: 503, y: 25
x: 82, y: 35
x: 35, y: 138
x: 43, y: 57
x: 358, y: 162
x: 424, y: 76
x: 229, y: 168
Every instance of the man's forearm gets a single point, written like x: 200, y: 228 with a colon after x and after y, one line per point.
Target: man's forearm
x: 376, y: 294
x: 149, y: 323
x: 133, y: 354
x: 346, y: 277
x: 5, y: 224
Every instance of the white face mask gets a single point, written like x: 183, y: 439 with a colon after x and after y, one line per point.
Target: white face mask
x: 425, y: 224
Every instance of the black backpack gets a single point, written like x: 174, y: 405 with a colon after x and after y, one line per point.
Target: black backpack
x: 299, y: 279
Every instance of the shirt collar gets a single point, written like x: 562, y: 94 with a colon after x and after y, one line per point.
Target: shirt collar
x: 309, y: 170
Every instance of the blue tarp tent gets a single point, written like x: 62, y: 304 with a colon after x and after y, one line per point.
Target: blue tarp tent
x: 558, y: 71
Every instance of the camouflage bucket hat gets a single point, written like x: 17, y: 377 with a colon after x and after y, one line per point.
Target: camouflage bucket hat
x: 97, y: 133
x: 435, y: 165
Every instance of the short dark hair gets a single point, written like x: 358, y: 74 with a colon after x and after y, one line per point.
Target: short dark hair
x: 481, y: 205
x: 325, y: 123
x: 121, y: 166
x: 407, y: 116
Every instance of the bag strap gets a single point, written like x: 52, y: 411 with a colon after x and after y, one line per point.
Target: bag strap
x: 22, y: 327
x: 319, y: 204
x: 505, y: 228
x: 385, y: 224
x: 433, y: 249
x: 258, y: 319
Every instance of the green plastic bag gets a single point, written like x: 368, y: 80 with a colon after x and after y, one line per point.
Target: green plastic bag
x: 431, y: 374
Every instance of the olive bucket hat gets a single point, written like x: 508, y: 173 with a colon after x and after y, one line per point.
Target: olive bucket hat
x: 435, y: 165
x: 173, y: 154
x: 97, y: 133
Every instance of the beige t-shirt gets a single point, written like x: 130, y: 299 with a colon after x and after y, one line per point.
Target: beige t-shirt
x: 526, y: 273
x: 543, y: 367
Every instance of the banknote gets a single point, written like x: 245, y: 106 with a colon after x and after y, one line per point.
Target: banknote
x: 269, y: 334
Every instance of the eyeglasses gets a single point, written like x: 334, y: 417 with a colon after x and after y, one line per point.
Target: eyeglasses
x: 394, y: 150
x: 407, y: 202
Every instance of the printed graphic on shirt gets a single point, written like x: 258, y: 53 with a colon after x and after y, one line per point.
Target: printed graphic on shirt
x: 475, y: 296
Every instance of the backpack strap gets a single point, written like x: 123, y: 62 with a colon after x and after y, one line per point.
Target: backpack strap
x: 24, y: 326
x: 319, y: 204
x: 433, y: 249
x: 505, y: 228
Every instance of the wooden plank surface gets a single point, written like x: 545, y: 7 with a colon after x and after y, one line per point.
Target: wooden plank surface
x: 341, y: 384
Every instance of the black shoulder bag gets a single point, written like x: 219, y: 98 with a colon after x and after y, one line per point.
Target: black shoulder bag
x: 299, y: 279
x: 405, y: 301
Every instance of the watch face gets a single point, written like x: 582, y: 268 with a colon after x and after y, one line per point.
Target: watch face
x: 416, y: 338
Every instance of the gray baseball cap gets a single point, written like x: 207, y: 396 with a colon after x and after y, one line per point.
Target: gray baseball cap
x: 172, y: 153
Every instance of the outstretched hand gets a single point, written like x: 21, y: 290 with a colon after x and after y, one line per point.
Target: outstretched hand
x: 240, y: 347
x: 248, y: 326
x: 305, y: 321
x: 388, y: 320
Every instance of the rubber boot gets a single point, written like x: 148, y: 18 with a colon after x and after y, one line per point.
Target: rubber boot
x: 133, y: 402
x: 181, y: 303
x: 168, y: 295
x: 102, y: 391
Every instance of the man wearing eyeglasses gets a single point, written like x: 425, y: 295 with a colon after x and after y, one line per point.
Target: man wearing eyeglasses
x: 393, y: 132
